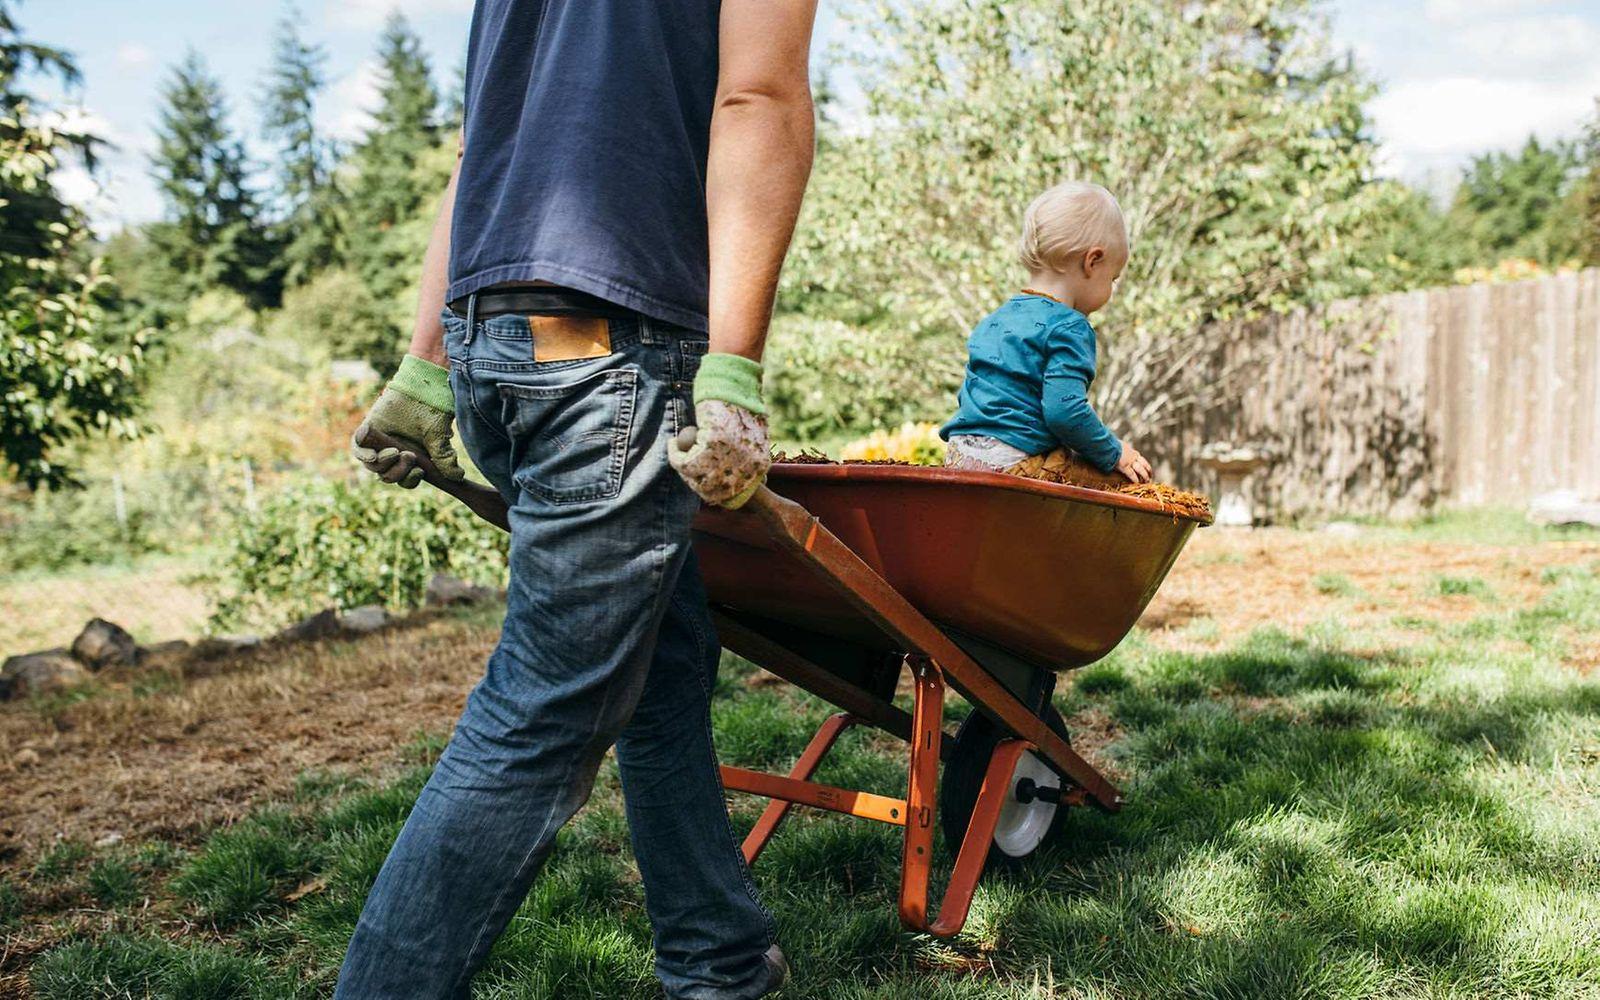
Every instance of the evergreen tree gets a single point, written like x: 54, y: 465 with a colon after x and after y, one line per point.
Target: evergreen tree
x: 213, y: 234
x: 388, y: 187
x: 306, y: 191
x: 455, y: 100
x: 68, y: 368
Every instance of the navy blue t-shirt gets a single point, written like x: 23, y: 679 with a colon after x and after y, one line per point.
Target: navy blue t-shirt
x: 587, y: 128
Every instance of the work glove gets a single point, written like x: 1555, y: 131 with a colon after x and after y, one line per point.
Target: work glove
x: 416, y: 408
x: 724, y: 458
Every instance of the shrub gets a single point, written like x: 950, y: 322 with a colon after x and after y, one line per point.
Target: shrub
x: 828, y: 378
x: 322, y: 542
x: 336, y: 313
x: 53, y: 529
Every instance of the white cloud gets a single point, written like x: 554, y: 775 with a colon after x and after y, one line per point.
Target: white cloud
x: 1537, y: 45
x: 77, y: 186
x: 1462, y: 77
x: 118, y: 194
x: 346, y: 108
x: 134, y: 55
x: 1431, y: 122
x: 119, y: 191
x: 370, y: 13
x: 1462, y: 11
x: 79, y: 119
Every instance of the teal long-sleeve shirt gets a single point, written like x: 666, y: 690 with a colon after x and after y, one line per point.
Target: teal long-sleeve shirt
x: 1029, y: 367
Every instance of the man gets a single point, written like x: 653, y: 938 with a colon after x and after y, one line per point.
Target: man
x: 628, y: 185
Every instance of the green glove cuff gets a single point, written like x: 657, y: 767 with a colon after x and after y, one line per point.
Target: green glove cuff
x: 425, y: 382
x: 731, y: 378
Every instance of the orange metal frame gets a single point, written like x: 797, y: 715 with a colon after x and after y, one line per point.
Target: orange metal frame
x: 933, y: 659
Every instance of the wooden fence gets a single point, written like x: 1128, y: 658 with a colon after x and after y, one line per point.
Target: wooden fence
x: 1477, y: 395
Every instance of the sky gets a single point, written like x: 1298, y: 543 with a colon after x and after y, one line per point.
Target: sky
x: 1458, y: 76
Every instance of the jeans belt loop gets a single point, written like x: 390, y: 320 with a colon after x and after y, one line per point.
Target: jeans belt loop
x: 650, y: 333
x: 472, y: 315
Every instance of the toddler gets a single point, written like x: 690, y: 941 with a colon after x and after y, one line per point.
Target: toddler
x: 1030, y: 362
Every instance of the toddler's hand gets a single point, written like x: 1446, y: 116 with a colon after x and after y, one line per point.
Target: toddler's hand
x: 1133, y: 465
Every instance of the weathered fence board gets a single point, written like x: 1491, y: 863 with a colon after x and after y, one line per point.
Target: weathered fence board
x: 1484, y: 394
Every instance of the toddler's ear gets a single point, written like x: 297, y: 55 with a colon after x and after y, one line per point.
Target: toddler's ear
x: 1093, y: 258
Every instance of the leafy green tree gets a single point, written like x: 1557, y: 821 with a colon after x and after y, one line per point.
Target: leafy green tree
x: 67, y: 368
x: 1237, y: 147
x: 1415, y: 244
x: 387, y: 192
x: 1589, y: 192
x: 213, y: 233
x: 311, y: 213
x: 1522, y: 204
x: 32, y: 210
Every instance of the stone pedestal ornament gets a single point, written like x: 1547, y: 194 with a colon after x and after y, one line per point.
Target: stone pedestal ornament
x: 1233, y: 466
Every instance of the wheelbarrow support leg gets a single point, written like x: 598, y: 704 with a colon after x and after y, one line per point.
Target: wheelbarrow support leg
x: 922, y: 811
x: 803, y: 769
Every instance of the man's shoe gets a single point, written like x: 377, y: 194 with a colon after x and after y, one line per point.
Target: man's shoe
x: 777, y: 970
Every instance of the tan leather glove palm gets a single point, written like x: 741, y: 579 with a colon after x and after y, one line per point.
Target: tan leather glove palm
x: 725, y: 457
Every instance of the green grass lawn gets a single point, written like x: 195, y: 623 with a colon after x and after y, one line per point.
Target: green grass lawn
x: 1309, y: 816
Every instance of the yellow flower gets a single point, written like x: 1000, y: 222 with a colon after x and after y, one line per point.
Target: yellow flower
x: 917, y: 444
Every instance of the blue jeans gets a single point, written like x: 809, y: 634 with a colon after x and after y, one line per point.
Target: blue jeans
x: 607, y: 640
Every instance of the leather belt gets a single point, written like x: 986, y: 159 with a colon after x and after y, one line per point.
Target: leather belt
x: 540, y: 301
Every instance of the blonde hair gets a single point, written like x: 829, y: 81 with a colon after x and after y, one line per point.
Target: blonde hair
x: 1066, y: 220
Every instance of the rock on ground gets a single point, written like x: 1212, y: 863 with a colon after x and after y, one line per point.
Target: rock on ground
x: 323, y: 624
x: 40, y: 673
x: 104, y: 644
x: 444, y: 589
x: 365, y: 619
x: 162, y: 653
x: 213, y: 647
x: 1564, y: 507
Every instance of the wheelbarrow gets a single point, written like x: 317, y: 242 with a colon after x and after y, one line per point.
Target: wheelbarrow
x: 840, y: 579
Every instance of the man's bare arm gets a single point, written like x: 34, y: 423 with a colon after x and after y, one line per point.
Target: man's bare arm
x: 427, y: 333
x: 762, y: 136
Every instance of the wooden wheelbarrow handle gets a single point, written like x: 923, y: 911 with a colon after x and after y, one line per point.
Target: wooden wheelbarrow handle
x: 484, y: 501
x: 487, y: 503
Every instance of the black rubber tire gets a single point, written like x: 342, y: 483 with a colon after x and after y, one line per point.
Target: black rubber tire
x: 974, y: 744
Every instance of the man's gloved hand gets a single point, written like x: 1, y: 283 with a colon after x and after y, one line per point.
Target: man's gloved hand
x: 725, y: 457
x: 418, y: 409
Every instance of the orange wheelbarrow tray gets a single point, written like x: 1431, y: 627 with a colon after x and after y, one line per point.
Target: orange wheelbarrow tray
x: 837, y: 578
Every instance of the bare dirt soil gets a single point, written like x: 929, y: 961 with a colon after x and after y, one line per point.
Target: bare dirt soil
x: 133, y: 763
x: 164, y: 755
x: 1228, y: 583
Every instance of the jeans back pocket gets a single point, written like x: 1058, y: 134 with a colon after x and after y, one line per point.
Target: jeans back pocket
x: 570, y: 442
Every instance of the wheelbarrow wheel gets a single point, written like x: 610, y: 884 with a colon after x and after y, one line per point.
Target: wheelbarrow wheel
x: 1026, y: 820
